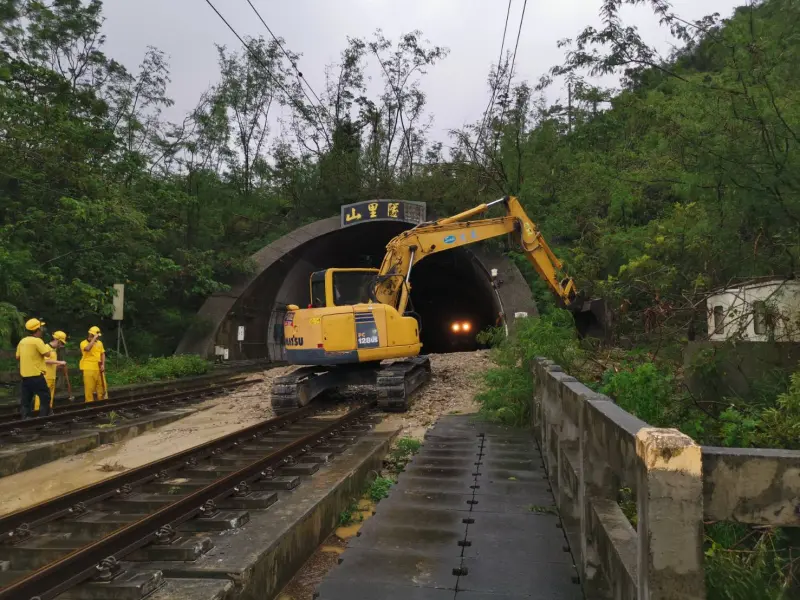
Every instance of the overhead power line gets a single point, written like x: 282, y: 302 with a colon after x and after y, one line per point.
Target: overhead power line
x: 513, y: 60
x: 257, y: 58
x: 494, y: 88
x: 291, y: 61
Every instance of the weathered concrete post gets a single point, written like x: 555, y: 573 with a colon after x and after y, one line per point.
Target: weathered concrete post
x: 670, y: 516
x: 597, y: 483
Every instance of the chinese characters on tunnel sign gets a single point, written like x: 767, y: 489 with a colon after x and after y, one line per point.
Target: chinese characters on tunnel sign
x: 383, y: 210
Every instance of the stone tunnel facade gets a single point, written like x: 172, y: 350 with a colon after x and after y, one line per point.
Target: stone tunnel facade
x: 454, y: 286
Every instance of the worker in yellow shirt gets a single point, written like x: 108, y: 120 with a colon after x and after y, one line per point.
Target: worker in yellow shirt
x: 93, y: 365
x: 59, y: 341
x: 34, y: 356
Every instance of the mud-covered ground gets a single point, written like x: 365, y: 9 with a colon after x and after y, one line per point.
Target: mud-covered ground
x: 455, y: 379
x: 451, y: 389
x: 218, y: 417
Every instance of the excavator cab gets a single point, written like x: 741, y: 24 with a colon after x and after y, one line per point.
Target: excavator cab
x: 341, y: 287
x: 343, y: 325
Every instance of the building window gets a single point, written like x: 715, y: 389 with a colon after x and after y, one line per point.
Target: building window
x: 719, y: 319
x: 759, y: 317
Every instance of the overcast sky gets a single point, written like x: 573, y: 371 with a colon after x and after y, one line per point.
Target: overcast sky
x: 318, y: 29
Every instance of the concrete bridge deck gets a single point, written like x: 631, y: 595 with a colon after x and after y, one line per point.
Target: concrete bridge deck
x: 471, y: 518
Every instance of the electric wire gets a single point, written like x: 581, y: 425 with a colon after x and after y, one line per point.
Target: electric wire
x: 494, y: 88
x: 292, y: 62
x: 513, y: 61
x: 258, y: 59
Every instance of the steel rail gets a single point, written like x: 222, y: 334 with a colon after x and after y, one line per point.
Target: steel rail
x: 18, y: 523
x: 91, y: 409
x: 144, y: 391
x: 13, y: 414
x: 101, y: 556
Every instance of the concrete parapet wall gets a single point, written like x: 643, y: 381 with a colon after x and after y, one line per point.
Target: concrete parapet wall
x: 592, y: 449
x: 755, y: 486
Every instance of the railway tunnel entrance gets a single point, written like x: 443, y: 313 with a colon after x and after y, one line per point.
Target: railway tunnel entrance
x: 454, y: 293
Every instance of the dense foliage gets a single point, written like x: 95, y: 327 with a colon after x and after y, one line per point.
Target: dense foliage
x: 681, y: 180
x: 685, y: 179
x: 97, y: 188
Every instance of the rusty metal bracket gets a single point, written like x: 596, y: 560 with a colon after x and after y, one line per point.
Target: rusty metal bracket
x: 107, y: 569
x: 209, y: 509
x: 20, y: 534
x: 78, y: 509
x: 165, y: 535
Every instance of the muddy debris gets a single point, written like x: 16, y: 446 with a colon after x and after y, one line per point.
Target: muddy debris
x: 218, y: 417
x: 455, y: 380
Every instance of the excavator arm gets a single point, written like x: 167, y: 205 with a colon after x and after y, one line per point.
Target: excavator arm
x: 407, y: 249
x: 350, y: 328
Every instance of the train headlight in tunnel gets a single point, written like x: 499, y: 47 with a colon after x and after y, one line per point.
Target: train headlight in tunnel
x: 466, y: 326
x: 456, y: 327
x: 462, y: 327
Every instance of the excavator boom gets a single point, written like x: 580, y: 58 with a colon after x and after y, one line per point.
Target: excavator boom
x: 411, y: 246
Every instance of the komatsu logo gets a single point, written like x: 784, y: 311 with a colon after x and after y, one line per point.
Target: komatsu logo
x: 294, y: 341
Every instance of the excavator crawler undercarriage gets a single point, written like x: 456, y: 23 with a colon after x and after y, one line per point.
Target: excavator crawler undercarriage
x: 394, y: 383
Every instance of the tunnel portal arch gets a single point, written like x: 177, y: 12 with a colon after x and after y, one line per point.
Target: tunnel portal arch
x: 446, y: 287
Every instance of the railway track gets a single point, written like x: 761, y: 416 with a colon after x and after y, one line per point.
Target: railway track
x: 96, y: 541
x: 83, y: 414
x: 10, y: 412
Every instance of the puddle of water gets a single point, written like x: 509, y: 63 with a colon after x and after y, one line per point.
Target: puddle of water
x: 347, y: 532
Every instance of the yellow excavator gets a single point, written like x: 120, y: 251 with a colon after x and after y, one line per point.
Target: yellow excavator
x: 358, y: 317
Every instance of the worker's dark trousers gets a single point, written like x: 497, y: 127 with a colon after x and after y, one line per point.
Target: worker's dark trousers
x: 34, y: 386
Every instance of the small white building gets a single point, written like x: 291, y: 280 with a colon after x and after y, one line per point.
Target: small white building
x: 757, y: 310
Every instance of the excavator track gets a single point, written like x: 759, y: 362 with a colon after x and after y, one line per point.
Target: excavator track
x: 399, y: 380
x: 395, y: 383
x: 293, y: 391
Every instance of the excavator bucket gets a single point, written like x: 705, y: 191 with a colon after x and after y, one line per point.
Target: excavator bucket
x: 592, y: 318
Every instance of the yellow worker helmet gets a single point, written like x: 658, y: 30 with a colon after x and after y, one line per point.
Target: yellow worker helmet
x: 60, y: 336
x: 94, y: 330
x: 33, y: 324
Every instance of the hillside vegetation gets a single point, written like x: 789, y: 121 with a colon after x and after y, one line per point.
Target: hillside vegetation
x: 684, y: 178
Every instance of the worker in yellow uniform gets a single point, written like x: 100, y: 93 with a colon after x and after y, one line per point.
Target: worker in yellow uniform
x: 34, y: 356
x: 93, y: 365
x: 59, y: 341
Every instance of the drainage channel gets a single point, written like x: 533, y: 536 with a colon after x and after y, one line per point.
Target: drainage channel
x: 86, y: 414
x: 163, y: 511
x: 471, y: 517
